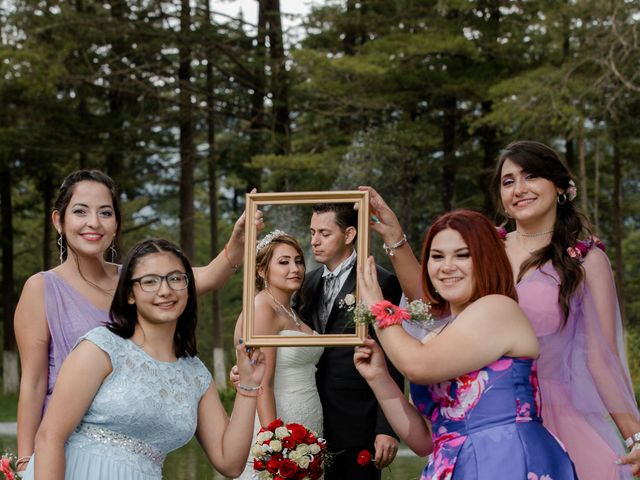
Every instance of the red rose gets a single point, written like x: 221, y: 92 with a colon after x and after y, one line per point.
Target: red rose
x: 315, y: 473
x: 258, y: 465
x: 298, y: 432
x: 288, y: 442
x: 272, y: 465
x: 310, y: 438
x: 364, y: 457
x: 288, y: 468
x: 301, y: 474
x: 275, y: 424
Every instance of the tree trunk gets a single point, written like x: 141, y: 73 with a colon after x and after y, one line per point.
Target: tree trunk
x: 449, y: 152
x: 616, y: 217
x: 490, y: 147
x: 596, y: 189
x: 187, y: 150
x: 47, y: 203
x: 219, y: 367
x: 279, y: 80
x: 569, y: 153
x: 582, y: 181
x: 257, y: 124
x: 10, y: 375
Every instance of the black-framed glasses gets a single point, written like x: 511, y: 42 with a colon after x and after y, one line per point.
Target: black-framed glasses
x: 151, y: 283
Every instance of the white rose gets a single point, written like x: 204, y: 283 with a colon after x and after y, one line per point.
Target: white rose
x: 264, y: 475
x: 276, y: 445
x: 314, y: 448
x: 349, y: 299
x: 264, y: 436
x: 295, y: 456
x: 282, y: 432
x: 256, y: 450
x: 304, y: 462
x: 303, y: 449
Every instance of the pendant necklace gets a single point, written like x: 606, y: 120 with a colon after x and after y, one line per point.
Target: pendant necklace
x: 289, y: 311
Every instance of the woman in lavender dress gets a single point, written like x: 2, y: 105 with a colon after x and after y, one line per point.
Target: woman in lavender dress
x: 474, y: 380
x: 58, y: 306
x: 566, y: 288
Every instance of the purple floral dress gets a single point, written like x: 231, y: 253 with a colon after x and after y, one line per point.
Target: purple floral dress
x: 486, y: 425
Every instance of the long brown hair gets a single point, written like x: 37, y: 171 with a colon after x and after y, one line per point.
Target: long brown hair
x: 571, y: 224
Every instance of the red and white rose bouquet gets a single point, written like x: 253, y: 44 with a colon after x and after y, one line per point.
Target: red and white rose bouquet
x: 289, y: 451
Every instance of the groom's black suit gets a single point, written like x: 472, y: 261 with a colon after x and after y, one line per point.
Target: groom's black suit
x: 352, y: 417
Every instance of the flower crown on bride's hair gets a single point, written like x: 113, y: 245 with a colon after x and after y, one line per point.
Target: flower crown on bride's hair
x: 270, y: 237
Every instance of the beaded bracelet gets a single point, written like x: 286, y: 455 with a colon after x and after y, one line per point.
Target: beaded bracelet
x: 391, y: 249
x: 234, y: 266
x: 248, y: 391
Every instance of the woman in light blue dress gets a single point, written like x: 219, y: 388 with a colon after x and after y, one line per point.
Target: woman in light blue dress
x: 131, y: 392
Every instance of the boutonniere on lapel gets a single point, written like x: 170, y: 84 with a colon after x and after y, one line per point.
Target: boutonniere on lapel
x: 348, y: 302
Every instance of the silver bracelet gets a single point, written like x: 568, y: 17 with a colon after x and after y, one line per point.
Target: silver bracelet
x: 249, y: 389
x: 635, y: 438
x: 390, y: 249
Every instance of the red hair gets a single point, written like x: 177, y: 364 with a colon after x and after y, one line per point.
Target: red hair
x: 491, y: 268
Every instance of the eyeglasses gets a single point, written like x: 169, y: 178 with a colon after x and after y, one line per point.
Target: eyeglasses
x: 151, y: 283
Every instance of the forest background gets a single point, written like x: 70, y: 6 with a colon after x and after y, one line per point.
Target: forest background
x: 188, y: 110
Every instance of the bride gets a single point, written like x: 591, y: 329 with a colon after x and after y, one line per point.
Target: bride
x: 289, y: 386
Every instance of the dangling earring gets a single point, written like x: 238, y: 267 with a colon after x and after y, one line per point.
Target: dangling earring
x: 562, y: 198
x: 266, y: 285
x: 114, y: 253
x: 62, y: 248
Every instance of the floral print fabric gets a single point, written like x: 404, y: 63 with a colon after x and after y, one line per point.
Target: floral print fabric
x: 486, y: 424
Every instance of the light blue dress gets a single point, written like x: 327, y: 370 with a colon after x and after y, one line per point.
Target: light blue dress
x: 143, y: 410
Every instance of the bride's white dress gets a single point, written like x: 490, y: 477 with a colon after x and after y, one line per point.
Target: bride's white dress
x: 294, y: 385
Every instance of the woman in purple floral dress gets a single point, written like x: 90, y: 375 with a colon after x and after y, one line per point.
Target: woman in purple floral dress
x: 474, y: 384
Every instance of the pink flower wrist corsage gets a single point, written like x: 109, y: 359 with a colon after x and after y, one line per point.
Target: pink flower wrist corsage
x: 387, y: 314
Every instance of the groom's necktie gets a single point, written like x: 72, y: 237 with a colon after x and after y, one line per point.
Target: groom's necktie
x: 328, y: 295
x: 330, y: 291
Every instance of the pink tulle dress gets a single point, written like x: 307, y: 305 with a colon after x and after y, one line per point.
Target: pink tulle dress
x: 582, y: 368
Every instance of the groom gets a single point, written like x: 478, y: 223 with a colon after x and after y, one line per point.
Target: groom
x: 353, y: 421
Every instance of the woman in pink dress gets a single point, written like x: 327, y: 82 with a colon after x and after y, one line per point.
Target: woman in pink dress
x: 566, y: 288
x: 60, y: 305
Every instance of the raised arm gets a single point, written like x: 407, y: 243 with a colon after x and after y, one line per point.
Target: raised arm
x: 32, y: 334
x: 214, y: 275
x: 487, y: 329
x: 81, y: 375
x: 226, y: 442
x: 265, y: 323
x: 405, y: 420
x: 386, y: 224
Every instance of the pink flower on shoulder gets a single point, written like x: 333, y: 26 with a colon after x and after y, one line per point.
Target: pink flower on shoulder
x: 469, y: 389
x: 502, y: 232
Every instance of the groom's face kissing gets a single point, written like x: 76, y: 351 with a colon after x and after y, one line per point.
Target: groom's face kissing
x: 330, y: 244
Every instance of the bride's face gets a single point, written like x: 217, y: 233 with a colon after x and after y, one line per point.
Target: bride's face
x: 286, y: 269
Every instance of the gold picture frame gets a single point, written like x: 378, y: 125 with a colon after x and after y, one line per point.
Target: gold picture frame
x: 254, y: 201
